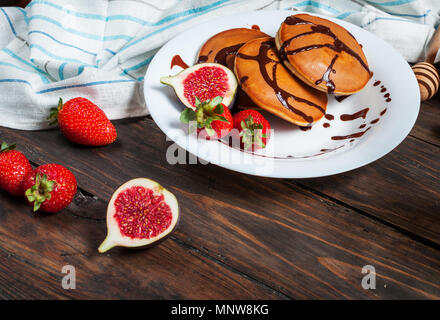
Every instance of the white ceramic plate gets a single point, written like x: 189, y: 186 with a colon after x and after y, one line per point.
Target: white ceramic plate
x: 291, y: 152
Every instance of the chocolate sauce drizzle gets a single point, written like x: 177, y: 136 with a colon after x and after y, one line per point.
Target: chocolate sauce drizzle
x: 353, y: 135
x: 263, y: 59
x: 359, y: 114
x: 203, y: 59
x: 177, y: 61
x: 329, y: 116
x: 221, y: 55
x: 337, y: 46
x: 341, y: 98
x: 326, y: 76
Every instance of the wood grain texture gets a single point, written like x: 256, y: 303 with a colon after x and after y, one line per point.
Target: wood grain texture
x: 34, y: 248
x: 427, y: 127
x: 403, y: 188
x: 276, y: 232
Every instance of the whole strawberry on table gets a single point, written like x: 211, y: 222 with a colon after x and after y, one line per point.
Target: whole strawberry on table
x: 83, y: 122
x: 49, y: 188
x: 13, y: 167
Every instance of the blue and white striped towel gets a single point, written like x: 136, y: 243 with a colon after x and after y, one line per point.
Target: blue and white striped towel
x: 101, y: 49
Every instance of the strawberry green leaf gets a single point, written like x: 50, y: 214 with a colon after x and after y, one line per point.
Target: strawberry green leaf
x: 40, y: 191
x: 220, y: 118
x: 210, y: 131
x: 54, y: 112
x: 216, y: 101
x: 192, y: 127
x: 219, y: 109
x: 5, y: 147
x: 187, y: 115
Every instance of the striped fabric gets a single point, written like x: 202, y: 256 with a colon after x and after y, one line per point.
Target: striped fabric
x: 100, y: 49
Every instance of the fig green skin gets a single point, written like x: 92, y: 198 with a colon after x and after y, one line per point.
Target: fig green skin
x: 176, y: 82
x: 147, y: 246
x: 115, y: 238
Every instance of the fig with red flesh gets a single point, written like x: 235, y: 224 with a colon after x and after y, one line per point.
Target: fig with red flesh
x: 141, y: 212
x: 205, y: 81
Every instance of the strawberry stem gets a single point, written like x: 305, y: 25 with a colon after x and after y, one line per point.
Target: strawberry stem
x: 40, y: 191
x: 54, y: 112
x: 252, y: 133
x: 206, y: 112
x: 5, y: 147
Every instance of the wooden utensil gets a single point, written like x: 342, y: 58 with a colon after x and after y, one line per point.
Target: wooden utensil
x: 426, y: 73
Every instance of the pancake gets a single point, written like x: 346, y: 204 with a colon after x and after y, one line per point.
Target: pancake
x: 273, y: 88
x: 222, y: 47
x: 322, y: 54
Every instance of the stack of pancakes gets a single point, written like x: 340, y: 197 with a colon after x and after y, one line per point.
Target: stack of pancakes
x: 290, y: 75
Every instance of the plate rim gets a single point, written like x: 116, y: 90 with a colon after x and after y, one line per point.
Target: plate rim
x: 276, y: 173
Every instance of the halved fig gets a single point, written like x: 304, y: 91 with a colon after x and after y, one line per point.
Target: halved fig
x: 141, y: 212
x: 204, y: 81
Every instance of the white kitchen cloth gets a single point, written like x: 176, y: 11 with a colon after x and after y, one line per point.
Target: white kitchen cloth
x: 100, y: 49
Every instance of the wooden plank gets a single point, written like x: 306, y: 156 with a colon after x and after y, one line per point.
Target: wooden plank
x: 427, y: 126
x: 34, y: 248
x: 282, y: 235
x: 403, y: 188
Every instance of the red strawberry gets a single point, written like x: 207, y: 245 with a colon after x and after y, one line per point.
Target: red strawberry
x: 13, y: 167
x: 83, y: 122
x: 213, y: 118
x: 50, y: 187
x: 253, y: 128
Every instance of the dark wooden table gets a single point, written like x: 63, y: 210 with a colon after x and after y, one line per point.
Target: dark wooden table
x: 240, y: 237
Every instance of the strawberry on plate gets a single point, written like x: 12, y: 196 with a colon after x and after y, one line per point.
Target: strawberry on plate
x: 83, y: 122
x: 212, y: 118
x: 253, y: 128
x: 49, y: 188
x: 13, y: 167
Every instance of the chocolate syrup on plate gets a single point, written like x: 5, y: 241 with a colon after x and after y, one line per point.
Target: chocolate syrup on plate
x: 326, y: 124
x: 177, y: 61
x: 383, y: 111
x: 341, y: 98
x: 376, y: 83
x: 353, y: 135
x: 329, y: 116
x: 263, y: 59
x: 374, y: 121
x: 329, y: 150
x: 359, y: 114
x: 338, y: 46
